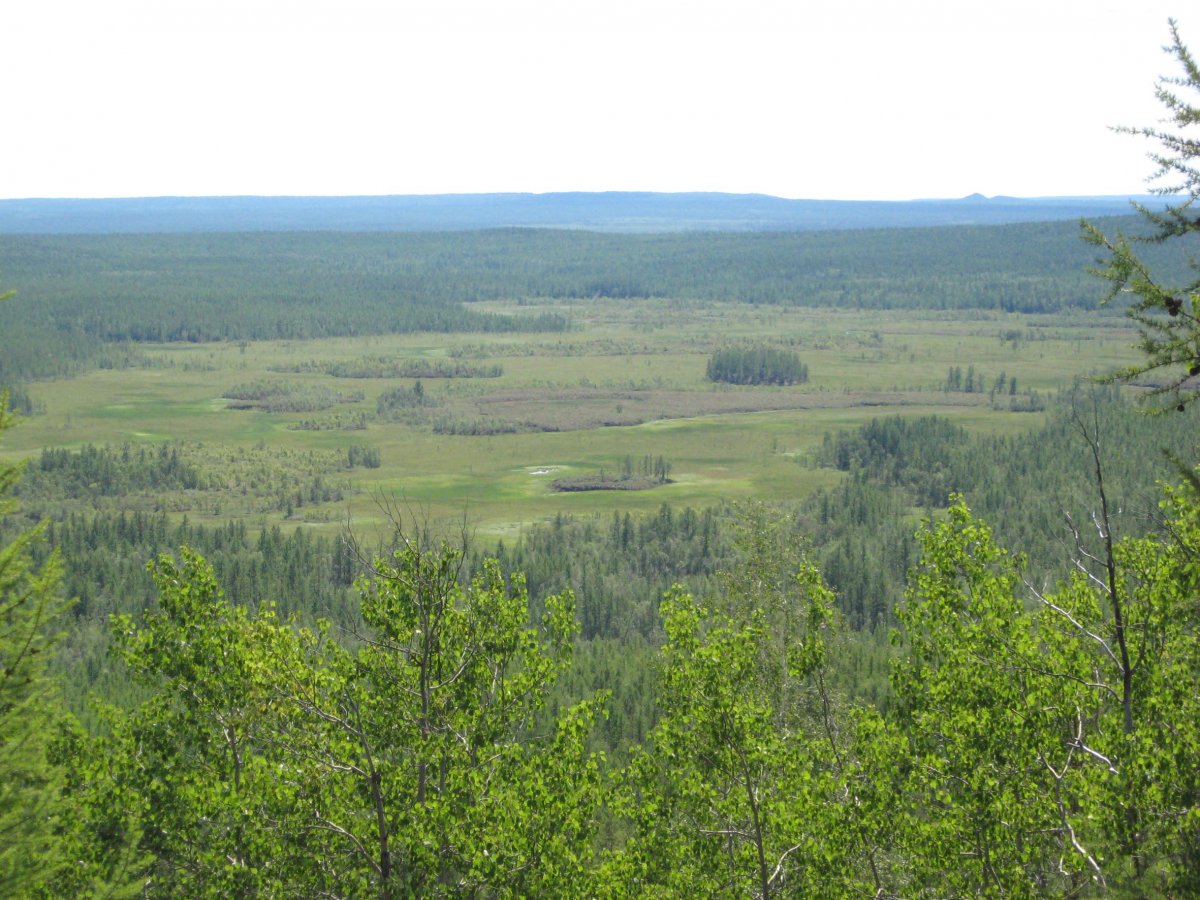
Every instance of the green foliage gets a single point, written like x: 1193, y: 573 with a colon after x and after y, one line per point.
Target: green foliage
x: 983, y: 730
x: 19, y: 400
x: 386, y: 367
x: 862, y: 529
x: 395, y: 402
x: 1045, y: 759
x: 106, y: 290
x: 650, y: 473
x: 914, y: 454
x: 190, y: 752
x: 756, y: 365
x: 183, y: 478
x: 108, y: 471
x: 481, y: 425
x: 1002, y: 385
x: 741, y: 787
x: 368, y: 457
x: 268, y: 758
x: 430, y: 740
x: 1167, y: 312
x: 87, y: 299
x: 355, y: 422
x: 617, y: 567
x: 105, y: 557
x: 287, y: 396
x: 31, y: 606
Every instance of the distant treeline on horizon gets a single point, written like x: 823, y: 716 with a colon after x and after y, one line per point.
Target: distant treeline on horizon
x: 619, y: 211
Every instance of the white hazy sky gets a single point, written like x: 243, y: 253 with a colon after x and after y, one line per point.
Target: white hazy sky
x: 843, y: 99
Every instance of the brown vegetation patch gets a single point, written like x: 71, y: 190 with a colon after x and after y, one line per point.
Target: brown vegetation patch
x: 584, y: 408
x: 604, y: 482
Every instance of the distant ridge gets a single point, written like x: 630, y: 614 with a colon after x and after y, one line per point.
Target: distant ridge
x: 616, y: 211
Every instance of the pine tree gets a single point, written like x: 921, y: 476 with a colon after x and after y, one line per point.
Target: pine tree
x: 1167, y: 315
x: 30, y: 604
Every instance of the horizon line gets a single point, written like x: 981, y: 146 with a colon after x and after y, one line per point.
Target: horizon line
x: 974, y: 197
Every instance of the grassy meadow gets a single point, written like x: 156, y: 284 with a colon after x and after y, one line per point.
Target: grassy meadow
x: 626, y: 381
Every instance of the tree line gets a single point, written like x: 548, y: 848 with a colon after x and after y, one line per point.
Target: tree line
x: 81, y: 300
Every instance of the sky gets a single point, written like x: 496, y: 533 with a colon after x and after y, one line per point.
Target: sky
x: 830, y: 99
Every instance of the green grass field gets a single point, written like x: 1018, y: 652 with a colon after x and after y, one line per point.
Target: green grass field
x: 628, y: 381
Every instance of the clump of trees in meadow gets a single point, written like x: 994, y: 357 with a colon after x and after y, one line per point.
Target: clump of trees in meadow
x: 649, y: 472
x: 396, y: 402
x: 287, y: 396
x: 975, y: 383
x: 756, y: 365
x: 367, y: 457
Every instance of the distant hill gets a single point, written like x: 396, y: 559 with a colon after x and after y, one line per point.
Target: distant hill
x: 610, y: 211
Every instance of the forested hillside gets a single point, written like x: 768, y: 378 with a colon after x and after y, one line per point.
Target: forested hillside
x: 921, y: 622
x: 753, y: 697
x: 860, y: 538
x: 430, y: 741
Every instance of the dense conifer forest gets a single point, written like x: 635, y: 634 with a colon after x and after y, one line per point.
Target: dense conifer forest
x: 109, y: 293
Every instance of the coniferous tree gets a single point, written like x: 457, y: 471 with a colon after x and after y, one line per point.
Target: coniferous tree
x: 1167, y: 315
x: 30, y: 604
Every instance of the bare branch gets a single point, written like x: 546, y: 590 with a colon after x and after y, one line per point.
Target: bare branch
x: 326, y: 825
x: 1079, y: 626
x: 782, y: 859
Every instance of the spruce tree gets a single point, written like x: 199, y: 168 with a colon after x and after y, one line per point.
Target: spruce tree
x: 1167, y: 313
x: 30, y: 604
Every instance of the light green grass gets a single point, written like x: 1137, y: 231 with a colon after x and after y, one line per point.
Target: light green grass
x: 651, y: 353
